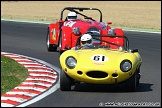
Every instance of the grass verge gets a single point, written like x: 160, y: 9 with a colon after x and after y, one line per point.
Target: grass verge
x: 12, y: 74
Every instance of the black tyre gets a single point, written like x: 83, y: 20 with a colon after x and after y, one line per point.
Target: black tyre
x: 50, y: 47
x: 61, y: 51
x: 131, y: 83
x: 60, y: 43
x: 138, y: 76
x: 65, y: 82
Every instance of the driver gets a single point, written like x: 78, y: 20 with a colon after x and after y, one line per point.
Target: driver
x: 72, y: 16
x: 86, y: 42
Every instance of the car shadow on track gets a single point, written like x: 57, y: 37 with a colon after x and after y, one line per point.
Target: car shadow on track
x: 143, y: 87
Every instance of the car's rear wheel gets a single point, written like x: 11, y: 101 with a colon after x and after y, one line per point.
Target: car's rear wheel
x: 65, y: 82
x: 50, y: 47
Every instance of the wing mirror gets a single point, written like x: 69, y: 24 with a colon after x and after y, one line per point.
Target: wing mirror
x: 134, y: 50
x: 109, y: 23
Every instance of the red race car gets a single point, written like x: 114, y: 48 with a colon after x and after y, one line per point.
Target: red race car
x: 63, y: 34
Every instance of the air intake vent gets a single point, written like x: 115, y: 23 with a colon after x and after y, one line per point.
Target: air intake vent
x: 97, y: 74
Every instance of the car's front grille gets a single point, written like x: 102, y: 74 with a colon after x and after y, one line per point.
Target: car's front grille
x: 94, y: 31
x: 97, y: 74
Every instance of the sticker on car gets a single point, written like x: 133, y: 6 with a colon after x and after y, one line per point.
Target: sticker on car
x: 70, y: 23
x: 54, y: 34
x: 99, y: 58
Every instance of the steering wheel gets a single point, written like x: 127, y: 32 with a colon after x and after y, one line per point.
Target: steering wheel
x: 84, y: 47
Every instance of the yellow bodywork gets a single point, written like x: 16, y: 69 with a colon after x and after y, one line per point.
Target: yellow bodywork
x: 100, y: 60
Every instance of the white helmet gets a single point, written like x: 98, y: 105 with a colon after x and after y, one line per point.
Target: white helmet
x: 86, y: 38
x: 72, y: 16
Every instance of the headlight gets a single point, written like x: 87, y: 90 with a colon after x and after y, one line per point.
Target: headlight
x: 71, y: 62
x: 125, y: 65
x: 76, y: 30
x: 111, y: 32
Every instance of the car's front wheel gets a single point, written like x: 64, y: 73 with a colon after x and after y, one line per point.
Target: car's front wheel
x: 65, y: 82
x: 60, y: 43
x: 131, y: 83
x: 50, y: 47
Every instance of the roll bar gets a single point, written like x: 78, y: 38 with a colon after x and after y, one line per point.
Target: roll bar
x: 80, y: 9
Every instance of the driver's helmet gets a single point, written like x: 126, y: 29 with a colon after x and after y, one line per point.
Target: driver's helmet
x: 86, y: 39
x: 72, y: 16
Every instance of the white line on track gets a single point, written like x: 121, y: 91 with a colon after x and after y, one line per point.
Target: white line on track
x: 47, y: 85
x: 22, y: 93
x: 39, y: 79
x: 125, y: 29
x: 14, y: 99
x: 7, y: 105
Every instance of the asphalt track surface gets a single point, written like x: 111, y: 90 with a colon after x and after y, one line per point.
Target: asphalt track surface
x: 29, y: 39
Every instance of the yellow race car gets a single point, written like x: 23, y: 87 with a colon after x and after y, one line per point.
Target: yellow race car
x: 104, y: 63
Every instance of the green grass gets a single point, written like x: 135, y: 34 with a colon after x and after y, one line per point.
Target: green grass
x: 12, y: 74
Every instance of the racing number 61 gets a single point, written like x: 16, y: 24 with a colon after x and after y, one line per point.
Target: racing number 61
x: 99, y: 58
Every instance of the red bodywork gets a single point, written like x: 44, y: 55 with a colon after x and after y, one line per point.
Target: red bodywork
x: 63, y: 30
